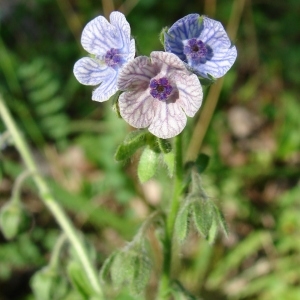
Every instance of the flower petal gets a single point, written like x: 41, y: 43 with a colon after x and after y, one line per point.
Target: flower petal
x: 131, y: 52
x: 187, y: 27
x: 214, y: 35
x: 107, y: 88
x: 137, y: 108
x: 169, y: 120
x: 120, y: 23
x: 166, y: 62
x: 136, y: 74
x: 88, y: 71
x: 99, y: 36
x: 190, y: 93
x: 219, y: 64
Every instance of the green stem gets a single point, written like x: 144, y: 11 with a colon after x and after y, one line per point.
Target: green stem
x: 45, y: 194
x: 165, y: 285
x: 15, y: 195
x: 54, y: 259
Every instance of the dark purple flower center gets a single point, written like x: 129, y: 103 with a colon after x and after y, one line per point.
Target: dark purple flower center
x: 160, y: 89
x: 113, y: 58
x: 197, y: 51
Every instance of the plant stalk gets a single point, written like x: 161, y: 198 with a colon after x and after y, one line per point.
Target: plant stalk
x: 165, y: 285
x: 46, y: 196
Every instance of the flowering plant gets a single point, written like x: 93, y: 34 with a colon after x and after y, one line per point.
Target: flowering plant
x: 154, y: 94
x: 158, y: 93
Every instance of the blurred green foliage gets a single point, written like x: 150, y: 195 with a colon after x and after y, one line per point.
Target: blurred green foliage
x: 253, y: 174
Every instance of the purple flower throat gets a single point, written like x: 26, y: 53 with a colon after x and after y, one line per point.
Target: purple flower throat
x: 198, y: 51
x: 113, y: 58
x: 160, y: 89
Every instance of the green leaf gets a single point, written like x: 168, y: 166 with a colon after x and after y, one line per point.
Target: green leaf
x: 182, y: 222
x: 132, y: 142
x: 148, y: 164
x: 10, y: 219
x: 79, y: 279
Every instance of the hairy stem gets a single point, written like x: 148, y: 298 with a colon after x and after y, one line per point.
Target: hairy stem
x: 165, y: 288
x: 46, y: 196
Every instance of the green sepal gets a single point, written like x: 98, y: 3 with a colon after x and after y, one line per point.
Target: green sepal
x: 200, y: 164
x: 131, y: 267
x: 133, y: 141
x: 213, y: 232
x: 115, y: 105
x: 162, y: 35
x: 13, y: 219
x: 105, y: 269
x: 207, y: 81
x: 164, y: 145
x: 46, y: 284
x: 169, y: 160
x: 221, y: 220
x: 148, y: 164
x: 200, y: 19
x: 182, y: 222
x: 79, y: 280
x: 42, y: 282
x: 203, y: 215
x: 180, y: 293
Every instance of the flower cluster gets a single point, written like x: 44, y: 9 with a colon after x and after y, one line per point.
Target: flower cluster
x: 159, y: 91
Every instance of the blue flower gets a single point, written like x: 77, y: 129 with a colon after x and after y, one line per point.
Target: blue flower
x: 202, y: 44
x: 111, y: 48
x: 159, y: 93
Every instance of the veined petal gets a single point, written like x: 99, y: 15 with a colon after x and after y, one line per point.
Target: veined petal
x: 219, y: 64
x: 106, y: 89
x: 186, y: 28
x: 136, y: 74
x: 169, y: 120
x: 214, y: 34
x: 167, y: 62
x: 131, y: 52
x: 190, y: 93
x: 99, y: 36
x: 137, y: 108
x: 89, y: 72
x: 175, y: 46
x: 120, y: 23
